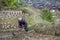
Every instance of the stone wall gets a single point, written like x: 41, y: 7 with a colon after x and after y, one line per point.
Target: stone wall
x: 8, y: 18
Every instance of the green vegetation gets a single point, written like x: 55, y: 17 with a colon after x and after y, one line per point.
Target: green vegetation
x: 47, y: 15
x: 57, y: 15
x: 31, y: 21
x: 50, y: 26
x: 43, y: 27
x: 11, y: 3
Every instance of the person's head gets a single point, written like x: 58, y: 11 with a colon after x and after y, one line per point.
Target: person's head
x: 19, y: 19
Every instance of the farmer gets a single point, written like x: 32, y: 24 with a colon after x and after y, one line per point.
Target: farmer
x: 22, y: 24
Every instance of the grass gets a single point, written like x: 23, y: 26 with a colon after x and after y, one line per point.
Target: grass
x: 47, y: 15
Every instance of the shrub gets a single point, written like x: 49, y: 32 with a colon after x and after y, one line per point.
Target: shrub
x: 46, y: 15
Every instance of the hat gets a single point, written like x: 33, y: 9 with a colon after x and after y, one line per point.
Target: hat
x: 19, y: 18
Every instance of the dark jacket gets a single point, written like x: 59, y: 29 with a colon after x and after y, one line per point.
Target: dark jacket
x: 22, y: 23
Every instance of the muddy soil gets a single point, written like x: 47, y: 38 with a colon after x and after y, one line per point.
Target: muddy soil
x: 27, y: 36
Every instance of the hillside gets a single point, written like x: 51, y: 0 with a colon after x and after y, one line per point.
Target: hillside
x: 42, y: 24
